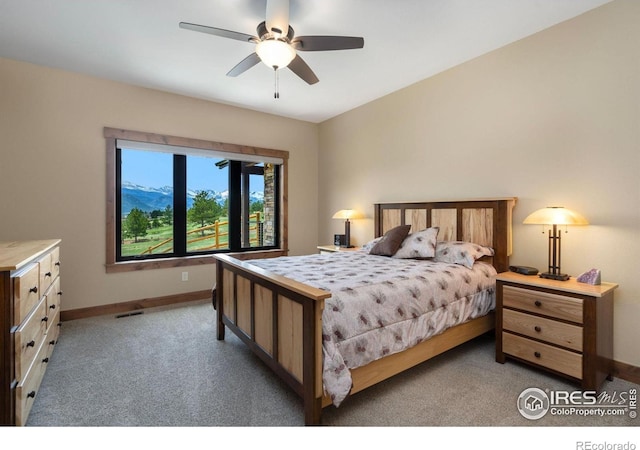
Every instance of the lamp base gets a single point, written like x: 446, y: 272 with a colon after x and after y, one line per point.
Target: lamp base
x: 555, y: 276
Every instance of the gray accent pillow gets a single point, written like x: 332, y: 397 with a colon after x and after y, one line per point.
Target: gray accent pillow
x: 421, y: 244
x: 391, y: 241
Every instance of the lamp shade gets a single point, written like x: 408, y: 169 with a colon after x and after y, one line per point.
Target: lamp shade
x: 346, y: 214
x: 275, y: 53
x: 555, y: 215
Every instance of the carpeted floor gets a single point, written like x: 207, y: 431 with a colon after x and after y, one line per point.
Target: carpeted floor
x: 165, y: 368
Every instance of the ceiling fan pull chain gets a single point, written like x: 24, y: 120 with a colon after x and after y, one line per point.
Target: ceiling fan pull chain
x: 276, y: 93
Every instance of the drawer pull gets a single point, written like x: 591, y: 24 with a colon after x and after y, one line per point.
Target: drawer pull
x: 48, y: 274
x: 536, y: 354
x: 538, y: 303
x: 57, y: 263
x: 45, y: 319
x: 52, y: 307
x: 31, y: 344
x: 31, y: 394
x: 34, y: 289
x: 46, y: 360
x: 52, y: 342
x: 59, y: 292
x: 537, y: 328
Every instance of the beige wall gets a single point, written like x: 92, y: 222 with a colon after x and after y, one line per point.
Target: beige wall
x: 52, y: 170
x: 552, y: 119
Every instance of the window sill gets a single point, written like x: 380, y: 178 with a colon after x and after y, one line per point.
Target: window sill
x: 166, y: 263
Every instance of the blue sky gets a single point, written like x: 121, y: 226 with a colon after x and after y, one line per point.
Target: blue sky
x: 152, y: 169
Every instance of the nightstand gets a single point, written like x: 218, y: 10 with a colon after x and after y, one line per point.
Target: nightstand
x: 324, y: 249
x: 563, y: 327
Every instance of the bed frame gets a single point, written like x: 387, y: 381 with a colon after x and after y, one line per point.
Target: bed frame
x: 280, y: 319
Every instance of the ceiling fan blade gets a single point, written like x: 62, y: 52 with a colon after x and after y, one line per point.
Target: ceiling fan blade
x: 321, y: 43
x: 300, y: 68
x: 219, y: 32
x: 244, y: 65
x: 277, y: 17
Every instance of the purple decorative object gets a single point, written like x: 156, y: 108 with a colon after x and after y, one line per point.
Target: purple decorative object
x: 590, y: 277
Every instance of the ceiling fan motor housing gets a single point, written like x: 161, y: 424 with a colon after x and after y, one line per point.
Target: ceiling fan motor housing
x: 264, y: 33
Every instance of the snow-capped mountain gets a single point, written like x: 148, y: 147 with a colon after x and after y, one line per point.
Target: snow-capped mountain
x: 149, y: 199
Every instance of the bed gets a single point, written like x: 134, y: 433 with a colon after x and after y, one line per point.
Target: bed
x: 299, y: 314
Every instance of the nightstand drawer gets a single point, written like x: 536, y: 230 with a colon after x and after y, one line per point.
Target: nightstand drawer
x: 552, y: 305
x: 563, y: 361
x: 548, y: 330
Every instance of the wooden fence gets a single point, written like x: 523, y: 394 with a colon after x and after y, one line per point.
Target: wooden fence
x: 216, y: 240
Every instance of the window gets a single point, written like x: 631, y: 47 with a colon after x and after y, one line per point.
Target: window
x: 171, y: 200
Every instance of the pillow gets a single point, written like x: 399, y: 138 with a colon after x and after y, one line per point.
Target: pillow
x: 391, y: 241
x: 463, y: 253
x: 419, y: 245
x: 369, y: 245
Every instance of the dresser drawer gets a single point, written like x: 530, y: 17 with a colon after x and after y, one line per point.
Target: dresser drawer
x: 554, y: 332
x: 51, y: 338
x: 26, y: 288
x: 28, y: 387
x: 55, y: 262
x: 28, y: 339
x: 53, y: 298
x: 46, y: 272
x: 563, y: 361
x: 552, y: 305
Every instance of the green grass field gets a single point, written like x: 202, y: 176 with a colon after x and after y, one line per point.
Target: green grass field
x: 160, y: 234
x: 155, y: 236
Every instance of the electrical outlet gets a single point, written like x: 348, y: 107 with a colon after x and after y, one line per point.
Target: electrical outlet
x: 185, y: 276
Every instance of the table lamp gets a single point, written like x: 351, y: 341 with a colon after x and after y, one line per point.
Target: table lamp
x: 555, y: 215
x: 346, y: 214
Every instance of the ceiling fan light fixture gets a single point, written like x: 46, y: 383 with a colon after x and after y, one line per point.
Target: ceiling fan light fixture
x: 275, y: 53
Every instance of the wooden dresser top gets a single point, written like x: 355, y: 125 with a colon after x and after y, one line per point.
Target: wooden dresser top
x: 15, y: 254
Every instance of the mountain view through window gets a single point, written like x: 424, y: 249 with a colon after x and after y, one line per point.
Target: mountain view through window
x: 170, y: 201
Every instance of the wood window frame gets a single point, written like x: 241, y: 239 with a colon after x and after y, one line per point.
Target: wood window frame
x: 111, y: 135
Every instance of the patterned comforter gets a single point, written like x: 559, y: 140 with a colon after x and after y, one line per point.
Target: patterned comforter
x: 381, y: 305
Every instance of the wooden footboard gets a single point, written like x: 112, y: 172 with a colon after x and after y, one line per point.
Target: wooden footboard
x: 281, y: 322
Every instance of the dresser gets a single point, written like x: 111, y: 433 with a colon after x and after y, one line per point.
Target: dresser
x: 564, y: 327
x: 30, y: 322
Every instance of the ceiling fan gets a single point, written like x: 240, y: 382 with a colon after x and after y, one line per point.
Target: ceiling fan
x: 277, y: 45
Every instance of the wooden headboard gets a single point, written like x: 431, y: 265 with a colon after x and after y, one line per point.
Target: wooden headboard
x: 485, y: 222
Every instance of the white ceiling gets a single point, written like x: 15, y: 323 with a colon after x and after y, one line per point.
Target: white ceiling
x: 139, y: 42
